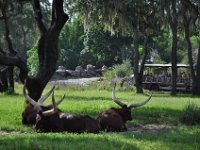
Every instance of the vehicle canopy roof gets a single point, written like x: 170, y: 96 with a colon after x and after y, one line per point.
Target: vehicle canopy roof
x: 166, y: 65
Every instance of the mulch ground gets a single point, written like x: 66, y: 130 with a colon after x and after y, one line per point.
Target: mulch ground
x: 140, y: 128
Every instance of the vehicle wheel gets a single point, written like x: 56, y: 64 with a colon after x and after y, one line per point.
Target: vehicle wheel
x: 154, y: 87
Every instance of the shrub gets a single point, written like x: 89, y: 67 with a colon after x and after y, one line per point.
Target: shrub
x: 109, y: 74
x: 120, y: 70
x: 191, y: 114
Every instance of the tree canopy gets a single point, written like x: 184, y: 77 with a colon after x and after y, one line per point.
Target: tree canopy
x: 99, y: 32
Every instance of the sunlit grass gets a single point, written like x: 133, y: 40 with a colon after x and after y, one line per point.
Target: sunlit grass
x: 162, y: 109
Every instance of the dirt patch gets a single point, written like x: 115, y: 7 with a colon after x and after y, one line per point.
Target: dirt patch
x: 140, y: 128
x: 79, y: 81
x: 150, y: 128
x: 12, y: 132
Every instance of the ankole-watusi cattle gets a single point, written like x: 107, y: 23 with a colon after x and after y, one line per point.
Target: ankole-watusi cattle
x: 53, y: 120
x: 29, y: 114
x: 114, y: 119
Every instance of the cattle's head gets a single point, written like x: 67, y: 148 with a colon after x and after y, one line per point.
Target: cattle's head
x: 45, y: 115
x: 29, y: 113
x: 125, y: 110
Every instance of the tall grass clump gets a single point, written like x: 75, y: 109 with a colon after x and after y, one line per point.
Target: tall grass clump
x: 190, y: 114
x: 120, y: 70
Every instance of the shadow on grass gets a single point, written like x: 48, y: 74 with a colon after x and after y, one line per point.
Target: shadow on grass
x: 179, y: 138
x: 156, y: 115
x: 55, y: 141
x: 146, y: 115
x: 167, y: 94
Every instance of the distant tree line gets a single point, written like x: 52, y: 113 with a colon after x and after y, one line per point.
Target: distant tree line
x: 100, y: 33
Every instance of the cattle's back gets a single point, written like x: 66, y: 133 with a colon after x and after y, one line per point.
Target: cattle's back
x: 110, y: 120
x: 79, y: 123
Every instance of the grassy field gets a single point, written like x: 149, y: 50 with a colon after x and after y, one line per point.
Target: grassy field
x: 162, y: 110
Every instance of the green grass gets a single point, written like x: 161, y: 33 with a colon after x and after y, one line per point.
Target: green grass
x: 162, y: 109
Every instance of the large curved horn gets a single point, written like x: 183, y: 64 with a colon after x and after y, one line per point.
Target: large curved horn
x: 57, y: 102
x: 54, y: 104
x: 43, y: 98
x: 140, y: 103
x: 51, y: 111
x: 116, y: 100
x: 48, y: 112
x: 30, y: 100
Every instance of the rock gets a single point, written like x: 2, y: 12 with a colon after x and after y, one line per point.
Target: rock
x: 79, y: 68
x: 91, y: 71
x: 61, y: 71
x: 61, y: 68
x: 104, y: 68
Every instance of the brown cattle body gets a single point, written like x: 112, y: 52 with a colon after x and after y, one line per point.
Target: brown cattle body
x: 53, y: 120
x: 114, y: 119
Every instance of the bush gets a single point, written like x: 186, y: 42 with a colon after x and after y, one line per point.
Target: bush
x: 120, y: 70
x: 191, y: 114
x: 109, y: 74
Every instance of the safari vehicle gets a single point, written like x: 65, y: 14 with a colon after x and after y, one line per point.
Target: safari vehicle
x: 157, y: 77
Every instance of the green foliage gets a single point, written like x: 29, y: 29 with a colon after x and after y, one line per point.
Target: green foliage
x: 109, y: 74
x: 124, y: 69
x: 71, y: 44
x: 120, y: 70
x: 101, y: 48
x: 33, y: 61
x: 10, y: 91
x: 191, y: 114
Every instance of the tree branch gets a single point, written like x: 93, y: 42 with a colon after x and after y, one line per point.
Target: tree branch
x: 59, y: 15
x: 38, y: 16
x: 7, y: 34
x: 15, y: 61
x: 2, y: 51
x: 1, y: 17
x: 48, y: 53
x: 3, y: 69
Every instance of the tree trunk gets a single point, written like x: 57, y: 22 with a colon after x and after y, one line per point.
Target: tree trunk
x: 173, y: 22
x: 174, y: 60
x: 136, y: 63
x: 47, y: 50
x: 11, y: 79
x: 12, y: 52
x: 3, y: 79
x: 144, y: 57
x: 47, y: 47
x: 189, y: 48
x: 123, y: 53
x: 197, y: 80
